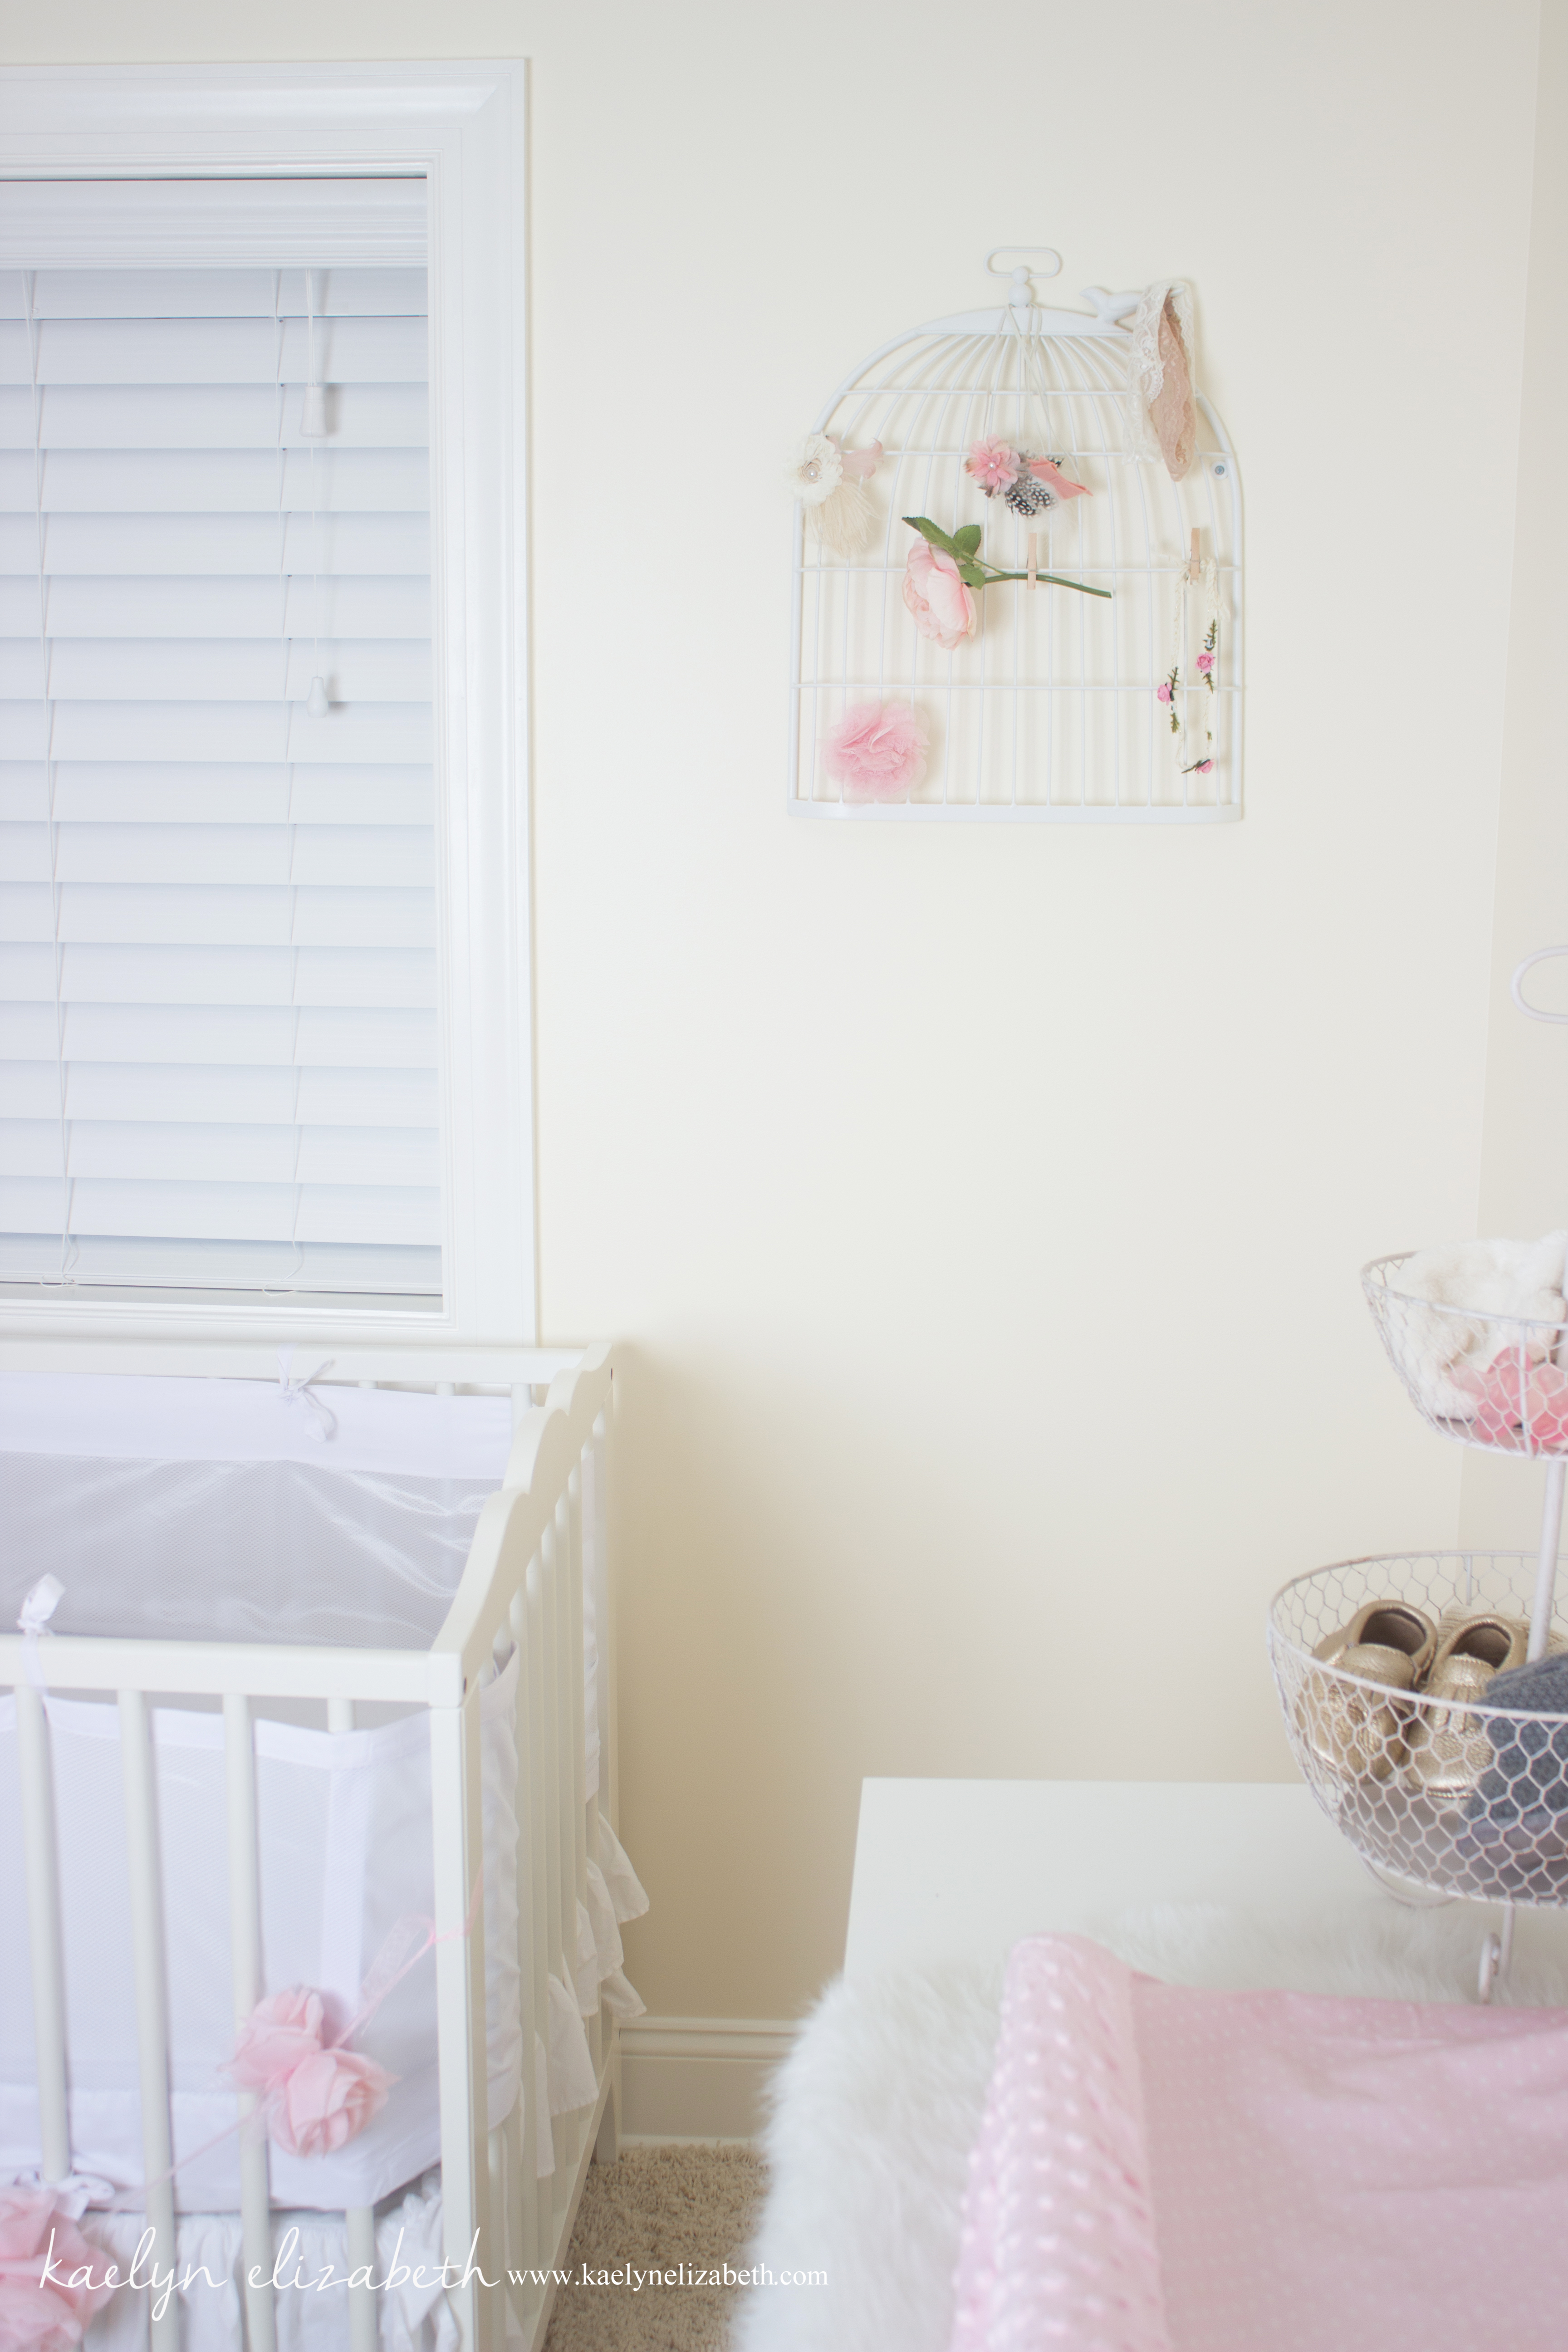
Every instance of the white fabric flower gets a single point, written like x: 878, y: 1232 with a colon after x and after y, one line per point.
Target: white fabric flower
x: 818, y: 470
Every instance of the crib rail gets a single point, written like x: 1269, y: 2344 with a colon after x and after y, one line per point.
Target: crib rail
x: 537, y: 1582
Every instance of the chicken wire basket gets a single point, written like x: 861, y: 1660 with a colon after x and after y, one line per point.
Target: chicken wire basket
x: 1457, y: 1799
x: 1052, y: 711
x: 1490, y: 1380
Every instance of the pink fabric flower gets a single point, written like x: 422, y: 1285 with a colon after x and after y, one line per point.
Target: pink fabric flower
x: 1047, y: 471
x: 993, y: 464
x: 876, y: 750
x: 38, y: 2314
x: 326, y: 2101
x: 943, y: 608
x: 279, y: 2033
x: 316, y: 2099
x: 1206, y: 663
x: 1163, y: 693
x: 1202, y: 767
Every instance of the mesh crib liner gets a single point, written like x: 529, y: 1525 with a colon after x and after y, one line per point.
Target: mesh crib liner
x: 242, y: 1510
x: 1162, y: 2169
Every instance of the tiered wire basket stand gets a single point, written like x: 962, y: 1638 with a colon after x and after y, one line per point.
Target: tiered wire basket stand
x: 1444, y: 1801
x: 1052, y: 712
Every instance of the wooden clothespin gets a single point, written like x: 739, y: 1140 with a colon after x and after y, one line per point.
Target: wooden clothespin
x: 1033, y: 557
x: 1194, y: 561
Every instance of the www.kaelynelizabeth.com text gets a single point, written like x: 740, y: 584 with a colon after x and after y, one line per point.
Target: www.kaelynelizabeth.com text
x: 144, y: 2277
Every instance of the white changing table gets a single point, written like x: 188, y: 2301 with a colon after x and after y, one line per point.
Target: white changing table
x: 951, y: 1870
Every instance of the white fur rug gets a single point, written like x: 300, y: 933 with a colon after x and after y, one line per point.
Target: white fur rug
x: 875, y: 2111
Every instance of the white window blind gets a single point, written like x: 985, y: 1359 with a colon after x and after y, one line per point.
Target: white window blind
x: 218, y: 1065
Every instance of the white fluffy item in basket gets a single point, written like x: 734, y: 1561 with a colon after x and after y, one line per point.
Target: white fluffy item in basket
x: 1492, y: 1282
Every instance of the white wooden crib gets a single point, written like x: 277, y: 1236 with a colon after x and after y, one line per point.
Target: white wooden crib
x: 537, y: 1582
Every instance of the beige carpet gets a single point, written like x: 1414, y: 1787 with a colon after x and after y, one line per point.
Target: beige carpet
x: 655, y: 2209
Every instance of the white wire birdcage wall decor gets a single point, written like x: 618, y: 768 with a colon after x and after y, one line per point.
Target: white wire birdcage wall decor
x: 1052, y: 711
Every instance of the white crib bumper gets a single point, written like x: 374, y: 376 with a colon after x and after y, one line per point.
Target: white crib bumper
x: 344, y: 1821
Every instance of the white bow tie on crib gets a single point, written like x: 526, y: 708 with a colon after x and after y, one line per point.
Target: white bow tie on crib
x: 37, y: 1608
x: 319, y: 1423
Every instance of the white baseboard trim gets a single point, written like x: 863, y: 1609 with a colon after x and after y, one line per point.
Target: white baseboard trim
x: 697, y: 2078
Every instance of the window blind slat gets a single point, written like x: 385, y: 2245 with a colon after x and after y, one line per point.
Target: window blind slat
x: 209, y: 481
x: 213, y: 545
x: 252, y: 1095
x: 212, y: 1268
x: 216, y: 608
x: 115, y: 792
x: 160, y: 1209
x: 232, y: 669
x: 258, y: 349
x: 372, y: 978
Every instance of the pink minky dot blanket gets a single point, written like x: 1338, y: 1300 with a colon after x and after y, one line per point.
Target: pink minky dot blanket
x: 1165, y: 2169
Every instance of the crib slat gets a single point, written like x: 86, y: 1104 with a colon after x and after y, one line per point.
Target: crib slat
x: 358, y: 2223
x: 523, y: 2193
x: 544, y: 1920
x: 456, y: 1818
x: 45, y: 1948
x: 245, y: 1946
x: 497, y: 2238
x: 140, y: 1779
x: 574, y: 1671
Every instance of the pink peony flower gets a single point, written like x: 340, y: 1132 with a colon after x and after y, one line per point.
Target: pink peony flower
x: 943, y: 608
x: 1206, y: 663
x: 38, y: 2314
x: 325, y: 2101
x: 876, y: 750
x: 279, y: 2033
x: 316, y: 2099
x: 1047, y: 471
x: 993, y: 464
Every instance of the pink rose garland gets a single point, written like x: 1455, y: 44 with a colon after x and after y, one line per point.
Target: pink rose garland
x: 943, y: 608
x: 316, y: 2097
x: 876, y: 750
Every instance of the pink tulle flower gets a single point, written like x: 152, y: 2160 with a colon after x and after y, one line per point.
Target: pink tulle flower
x: 993, y: 464
x: 1047, y: 471
x: 943, y: 608
x: 39, y: 2312
x: 316, y: 2099
x: 876, y: 750
x: 1206, y: 663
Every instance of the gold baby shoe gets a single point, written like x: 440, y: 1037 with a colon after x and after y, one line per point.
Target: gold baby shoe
x: 1448, y: 1748
x: 1355, y: 1728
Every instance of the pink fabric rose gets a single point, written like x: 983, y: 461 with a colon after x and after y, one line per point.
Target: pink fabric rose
x: 943, y: 608
x: 1206, y: 663
x: 876, y: 751
x: 316, y: 2098
x: 993, y: 464
x: 279, y: 2033
x: 326, y: 2101
x: 39, y: 2314
x: 1163, y: 693
x: 1047, y: 471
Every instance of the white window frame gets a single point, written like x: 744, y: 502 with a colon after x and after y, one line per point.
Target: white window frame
x: 463, y: 126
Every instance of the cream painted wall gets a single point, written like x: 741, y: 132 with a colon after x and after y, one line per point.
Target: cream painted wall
x: 1525, y: 1169
x: 981, y: 1208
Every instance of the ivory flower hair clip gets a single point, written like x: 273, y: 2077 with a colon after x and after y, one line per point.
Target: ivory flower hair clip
x: 829, y: 480
x: 1027, y: 486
